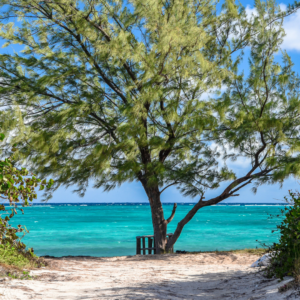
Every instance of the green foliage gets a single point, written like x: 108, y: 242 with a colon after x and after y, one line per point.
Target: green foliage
x: 17, y: 185
x: 262, y: 109
x: 286, y: 253
x: 17, y: 188
x: 10, y: 255
x: 23, y: 276
x: 115, y: 91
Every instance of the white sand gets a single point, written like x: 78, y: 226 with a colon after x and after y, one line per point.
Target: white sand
x: 172, y: 276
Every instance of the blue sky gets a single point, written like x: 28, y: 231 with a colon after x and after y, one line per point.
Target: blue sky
x: 133, y: 192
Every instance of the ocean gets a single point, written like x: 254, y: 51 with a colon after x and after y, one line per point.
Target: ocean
x: 111, y: 229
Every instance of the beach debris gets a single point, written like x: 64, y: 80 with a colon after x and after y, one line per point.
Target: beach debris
x: 263, y: 261
x: 181, y: 251
x: 288, y: 284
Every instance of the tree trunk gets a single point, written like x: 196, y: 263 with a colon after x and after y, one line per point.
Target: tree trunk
x: 158, y: 220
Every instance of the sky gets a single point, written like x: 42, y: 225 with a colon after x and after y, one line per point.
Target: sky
x: 134, y: 192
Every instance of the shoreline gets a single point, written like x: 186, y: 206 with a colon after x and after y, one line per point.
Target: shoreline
x: 250, y: 251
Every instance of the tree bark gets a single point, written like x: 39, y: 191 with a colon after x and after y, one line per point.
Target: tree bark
x: 158, y: 220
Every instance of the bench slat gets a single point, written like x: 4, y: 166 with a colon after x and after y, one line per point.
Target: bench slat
x: 141, y: 244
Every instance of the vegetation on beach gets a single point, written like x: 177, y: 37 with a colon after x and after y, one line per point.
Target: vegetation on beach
x: 147, y: 90
x: 11, y: 256
x: 285, y: 255
x: 18, y: 189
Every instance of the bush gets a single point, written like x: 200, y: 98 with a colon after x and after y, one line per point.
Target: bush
x: 17, y: 188
x: 10, y: 255
x: 286, y: 253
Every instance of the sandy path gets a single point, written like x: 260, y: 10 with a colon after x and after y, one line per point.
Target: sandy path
x: 197, y: 276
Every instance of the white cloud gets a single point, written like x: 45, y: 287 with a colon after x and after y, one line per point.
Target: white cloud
x: 241, y: 162
x: 251, y: 11
x: 291, y: 27
x: 209, y: 94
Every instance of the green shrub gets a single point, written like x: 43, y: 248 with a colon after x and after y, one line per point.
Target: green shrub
x: 17, y: 188
x: 286, y: 253
x: 10, y: 255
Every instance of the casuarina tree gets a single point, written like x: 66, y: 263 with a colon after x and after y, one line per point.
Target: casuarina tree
x: 116, y: 91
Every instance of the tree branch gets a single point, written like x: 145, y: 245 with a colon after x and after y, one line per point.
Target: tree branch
x: 168, y: 186
x: 228, y: 192
x: 172, y: 214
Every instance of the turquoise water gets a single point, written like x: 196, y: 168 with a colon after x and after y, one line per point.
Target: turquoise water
x: 110, y: 230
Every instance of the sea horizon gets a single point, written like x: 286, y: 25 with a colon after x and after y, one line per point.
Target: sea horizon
x: 147, y: 204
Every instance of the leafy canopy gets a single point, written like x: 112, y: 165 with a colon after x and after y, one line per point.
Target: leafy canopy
x: 114, y: 91
x: 117, y: 91
x: 262, y: 121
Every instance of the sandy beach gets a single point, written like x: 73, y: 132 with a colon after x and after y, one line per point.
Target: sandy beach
x: 173, y: 276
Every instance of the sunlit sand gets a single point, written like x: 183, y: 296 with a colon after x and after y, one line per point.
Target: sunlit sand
x: 172, y: 276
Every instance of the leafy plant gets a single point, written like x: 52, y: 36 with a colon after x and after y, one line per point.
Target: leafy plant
x: 11, y: 256
x: 286, y: 253
x: 20, y: 275
x: 18, y: 189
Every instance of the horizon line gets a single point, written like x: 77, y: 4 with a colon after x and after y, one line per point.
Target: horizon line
x: 147, y: 203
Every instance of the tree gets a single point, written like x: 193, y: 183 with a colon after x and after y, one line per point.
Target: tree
x: 17, y: 187
x: 115, y: 91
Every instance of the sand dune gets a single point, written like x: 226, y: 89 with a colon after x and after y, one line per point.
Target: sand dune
x: 174, y: 276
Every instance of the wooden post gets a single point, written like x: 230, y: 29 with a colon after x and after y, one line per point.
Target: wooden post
x: 141, y: 245
x: 150, y: 245
x: 138, y: 245
x: 144, y: 245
